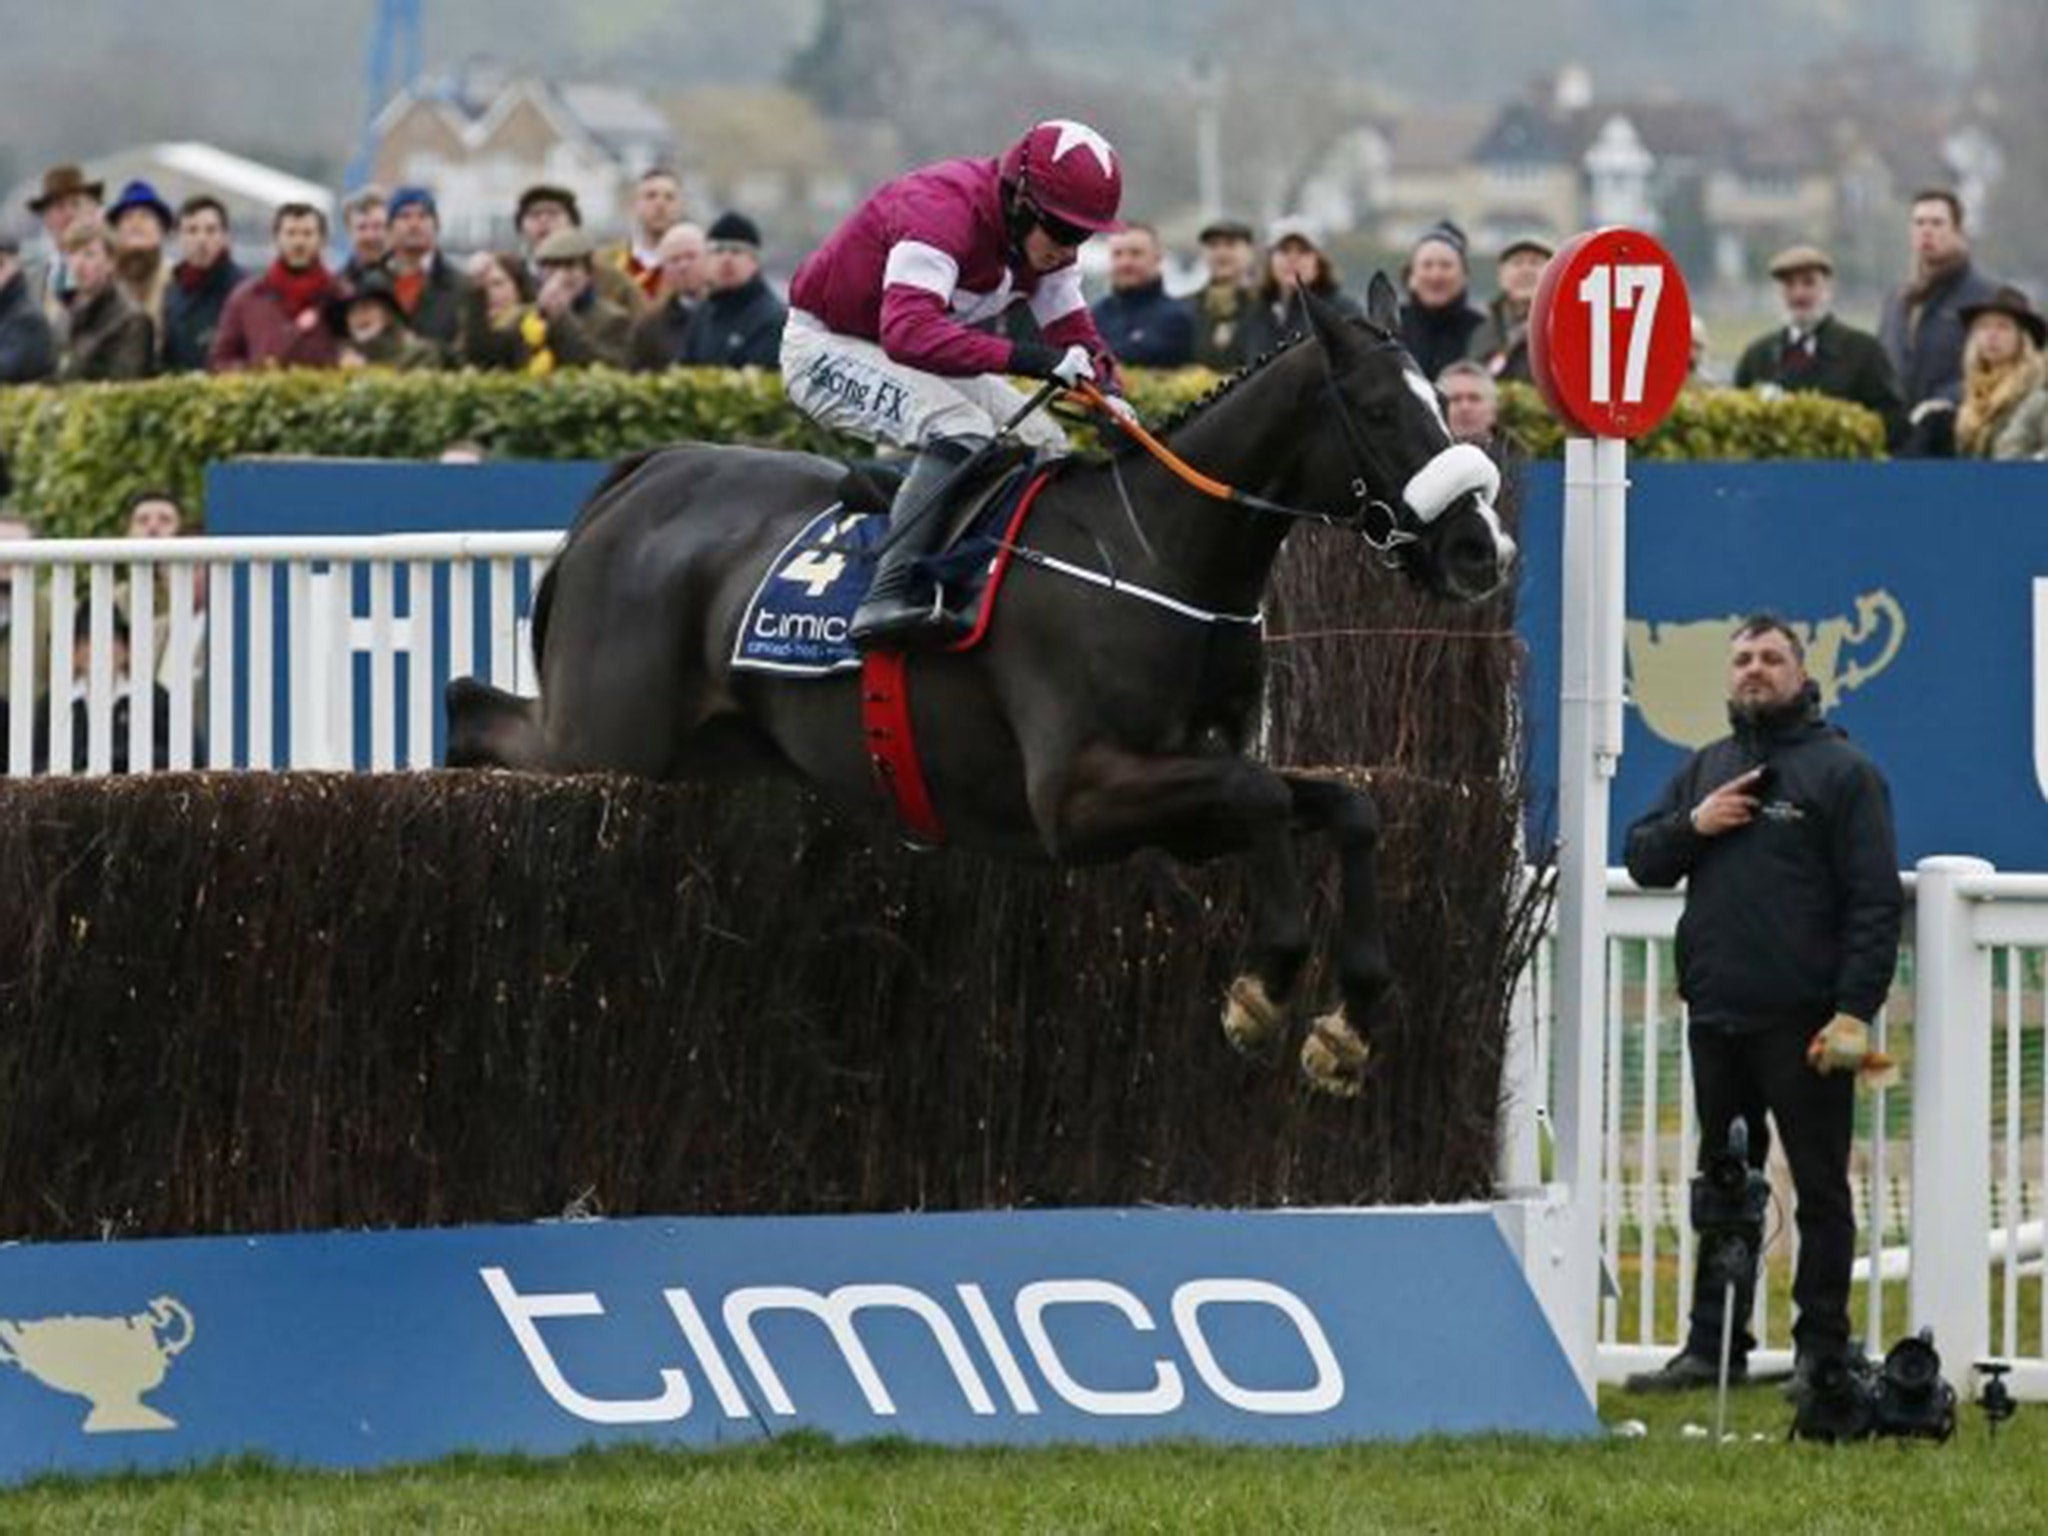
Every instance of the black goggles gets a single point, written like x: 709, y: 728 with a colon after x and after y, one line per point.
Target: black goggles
x: 1059, y: 231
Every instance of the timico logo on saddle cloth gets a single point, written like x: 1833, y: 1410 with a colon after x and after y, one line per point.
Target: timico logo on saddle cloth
x: 796, y: 622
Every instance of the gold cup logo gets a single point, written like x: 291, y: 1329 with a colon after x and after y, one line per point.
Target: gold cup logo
x: 108, y: 1361
x: 1678, y: 672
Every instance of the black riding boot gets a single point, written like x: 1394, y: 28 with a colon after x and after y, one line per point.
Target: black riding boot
x: 917, y: 521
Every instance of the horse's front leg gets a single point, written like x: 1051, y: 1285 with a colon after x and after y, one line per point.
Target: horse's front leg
x: 1110, y: 803
x: 1335, y: 1054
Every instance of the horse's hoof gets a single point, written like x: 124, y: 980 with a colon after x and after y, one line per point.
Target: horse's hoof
x: 1334, y: 1056
x: 1252, y: 1021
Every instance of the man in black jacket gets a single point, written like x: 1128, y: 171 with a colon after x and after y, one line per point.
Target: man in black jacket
x: 1922, y: 325
x: 739, y: 324
x: 430, y: 291
x: 1783, y: 833
x: 1142, y: 323
x: 1814, y: 351
x: 200, y: 284
x: 1438, y: 322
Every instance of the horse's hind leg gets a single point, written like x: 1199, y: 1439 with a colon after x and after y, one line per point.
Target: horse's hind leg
x: 490, y: 728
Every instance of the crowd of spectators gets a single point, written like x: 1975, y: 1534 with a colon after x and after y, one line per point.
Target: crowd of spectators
x: 131, y: 288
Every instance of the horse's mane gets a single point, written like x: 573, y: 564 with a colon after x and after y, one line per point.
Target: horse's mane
x: 1201, y: 403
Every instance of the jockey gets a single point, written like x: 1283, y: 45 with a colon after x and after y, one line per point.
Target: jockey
x: 880, y: 340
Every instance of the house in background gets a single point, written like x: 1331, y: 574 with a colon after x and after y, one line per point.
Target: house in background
x: 479, y: 137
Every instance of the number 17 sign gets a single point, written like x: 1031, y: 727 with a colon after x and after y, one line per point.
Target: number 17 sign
x: 1610, y: 333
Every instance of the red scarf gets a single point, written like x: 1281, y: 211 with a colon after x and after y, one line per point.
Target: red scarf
x: 300, y: 288
x: 191, y: 278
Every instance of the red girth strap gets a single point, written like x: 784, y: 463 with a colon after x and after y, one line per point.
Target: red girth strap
x: 885, y: 721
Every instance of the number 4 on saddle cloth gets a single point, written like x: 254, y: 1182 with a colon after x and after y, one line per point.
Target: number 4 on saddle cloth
x: 796, y: 622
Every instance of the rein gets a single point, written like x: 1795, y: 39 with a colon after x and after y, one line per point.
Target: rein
x: 1219, y: 490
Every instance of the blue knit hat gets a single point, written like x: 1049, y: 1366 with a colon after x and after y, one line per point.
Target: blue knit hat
x: 412, y: 197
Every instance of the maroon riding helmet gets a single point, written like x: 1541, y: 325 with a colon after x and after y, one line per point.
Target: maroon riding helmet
x: 1068, y: 172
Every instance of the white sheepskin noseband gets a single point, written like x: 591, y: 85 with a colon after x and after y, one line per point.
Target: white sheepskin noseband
x: 1458, y: 469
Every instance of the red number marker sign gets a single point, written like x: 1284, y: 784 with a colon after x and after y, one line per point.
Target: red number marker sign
x: 1610, y: 333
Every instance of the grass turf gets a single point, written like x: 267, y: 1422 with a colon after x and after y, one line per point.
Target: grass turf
x: 1663, y: 1481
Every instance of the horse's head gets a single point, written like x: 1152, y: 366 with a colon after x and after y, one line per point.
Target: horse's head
x: 1391, y: 441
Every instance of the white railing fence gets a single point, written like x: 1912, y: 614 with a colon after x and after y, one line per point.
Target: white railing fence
x: 1965, y: 1125
x: 262, y: 652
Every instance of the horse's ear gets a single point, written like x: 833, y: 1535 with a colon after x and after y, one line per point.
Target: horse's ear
x: 1382, y: 304
x: 1315, y: 313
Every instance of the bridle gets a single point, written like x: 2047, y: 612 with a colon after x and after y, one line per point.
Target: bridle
x: 1387, y: 545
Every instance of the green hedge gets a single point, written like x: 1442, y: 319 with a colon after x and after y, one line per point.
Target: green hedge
x: 1721, y: 424
x: 78, y: 452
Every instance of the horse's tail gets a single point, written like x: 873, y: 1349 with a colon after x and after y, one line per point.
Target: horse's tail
x: 594, y: 506
x: 490, y: 728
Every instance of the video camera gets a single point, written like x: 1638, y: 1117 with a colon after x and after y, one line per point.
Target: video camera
x: 1729, y: 1199
x: 1847, y: 1399
x: 1913, y: 1401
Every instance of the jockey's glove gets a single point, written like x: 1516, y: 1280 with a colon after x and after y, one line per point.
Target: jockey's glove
x: 1074, y: 366
x: 1036, y: 360
x: 1843, y: 1045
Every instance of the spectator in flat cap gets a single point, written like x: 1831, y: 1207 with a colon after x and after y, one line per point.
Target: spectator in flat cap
x: 2003, y: 374
x: 103, y: 336
x: 372, y: 330
x: 1220, y: 307
x: 659, y: 335
x: 28, y: 344
x: 544, y: 209
x: 1814, y: 352
x: 366, y: 221
x: 739, y: 324
x: 1438, y: 321
x: 578, y: 326
x: 66, y: 197
x: 1295, y: 259
x: 1502, y: 340
x: 200, y: 284
x: 428, y: 288
x: 140, y: 222
x: 1142, y: 323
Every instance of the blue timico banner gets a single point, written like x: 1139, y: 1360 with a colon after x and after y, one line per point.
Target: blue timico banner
x: 358, y: 1349
x: 1920, y: 590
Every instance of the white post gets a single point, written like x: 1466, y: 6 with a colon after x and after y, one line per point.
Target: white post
x: 1589, y: 748
x: 1949, y: 1289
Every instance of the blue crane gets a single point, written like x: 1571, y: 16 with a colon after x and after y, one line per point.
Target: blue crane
x: 394, y: 64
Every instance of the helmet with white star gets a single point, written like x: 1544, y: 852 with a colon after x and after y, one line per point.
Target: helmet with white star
x: 1068, y: 171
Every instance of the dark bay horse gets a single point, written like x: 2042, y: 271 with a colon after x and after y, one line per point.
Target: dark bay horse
x: 1088, y: 724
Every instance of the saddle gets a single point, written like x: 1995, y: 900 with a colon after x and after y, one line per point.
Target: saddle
x: 796, y: 623
x: 871, y: 485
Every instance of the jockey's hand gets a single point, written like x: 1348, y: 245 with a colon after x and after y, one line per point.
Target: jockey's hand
x: 1074, y: 366
x: 1122, y: 408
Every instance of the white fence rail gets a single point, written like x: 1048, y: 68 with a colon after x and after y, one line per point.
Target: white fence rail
x: 1964, y: 1127
x: 262, y: 653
